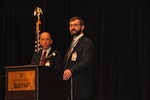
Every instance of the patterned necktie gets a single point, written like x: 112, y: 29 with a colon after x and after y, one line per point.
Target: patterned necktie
x: 43, y: 58
x: 70, y: 49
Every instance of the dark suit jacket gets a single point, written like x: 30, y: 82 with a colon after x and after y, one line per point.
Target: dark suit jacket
x: 81, y: 67
x: 55, y: 61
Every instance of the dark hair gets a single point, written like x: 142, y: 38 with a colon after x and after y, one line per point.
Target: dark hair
x: 77, y: 17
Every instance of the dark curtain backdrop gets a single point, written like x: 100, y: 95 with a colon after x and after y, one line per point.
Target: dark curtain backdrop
x: 119, y: 28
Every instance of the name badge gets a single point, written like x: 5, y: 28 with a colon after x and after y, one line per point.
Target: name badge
x: 47, y: 63
x: 74, y: 56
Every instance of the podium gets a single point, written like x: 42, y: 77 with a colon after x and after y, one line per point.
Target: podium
x: 33, y: 82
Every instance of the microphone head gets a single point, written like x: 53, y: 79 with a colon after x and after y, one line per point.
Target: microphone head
x: 54, y: 54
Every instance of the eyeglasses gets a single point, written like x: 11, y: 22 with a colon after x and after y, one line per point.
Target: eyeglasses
x: 75, y: 25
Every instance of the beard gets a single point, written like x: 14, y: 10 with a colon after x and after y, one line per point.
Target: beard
x: 76, y: 33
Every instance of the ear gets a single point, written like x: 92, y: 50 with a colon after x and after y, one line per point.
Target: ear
x: 82, y: 27
x: 51, y: 41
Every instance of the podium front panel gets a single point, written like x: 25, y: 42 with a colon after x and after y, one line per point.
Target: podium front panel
x: 21, y: 83
x: 35, y: 83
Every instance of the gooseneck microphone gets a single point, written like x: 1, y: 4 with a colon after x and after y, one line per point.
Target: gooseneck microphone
x: 52, y: 54
x: 35, y: 62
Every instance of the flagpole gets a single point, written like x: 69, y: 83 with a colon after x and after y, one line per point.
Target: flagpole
x: 37, y: 12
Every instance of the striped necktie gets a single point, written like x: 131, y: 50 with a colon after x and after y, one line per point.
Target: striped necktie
x: 43, y: 58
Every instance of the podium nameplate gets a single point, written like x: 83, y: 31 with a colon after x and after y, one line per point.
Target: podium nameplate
x: 21, y: 80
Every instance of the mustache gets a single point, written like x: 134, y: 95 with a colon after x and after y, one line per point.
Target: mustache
x: 73, y: 30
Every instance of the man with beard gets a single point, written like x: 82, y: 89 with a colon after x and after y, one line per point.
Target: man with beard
x: 78, y: 62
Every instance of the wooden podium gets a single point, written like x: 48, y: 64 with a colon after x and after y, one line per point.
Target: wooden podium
x: 33, y: 82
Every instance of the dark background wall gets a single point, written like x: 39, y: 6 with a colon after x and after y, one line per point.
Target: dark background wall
x: 119, y: 29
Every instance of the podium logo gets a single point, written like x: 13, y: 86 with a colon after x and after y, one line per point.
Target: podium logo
x: 21, y: 80
x: 21, y: 75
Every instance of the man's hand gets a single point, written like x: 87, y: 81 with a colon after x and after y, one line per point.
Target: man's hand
x: 67, y: 74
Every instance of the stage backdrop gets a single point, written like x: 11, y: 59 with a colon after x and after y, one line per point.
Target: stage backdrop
x: 119, y: 28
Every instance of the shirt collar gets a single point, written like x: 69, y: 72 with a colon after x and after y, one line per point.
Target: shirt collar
x: 78, y: 37
x: 47, y: 50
